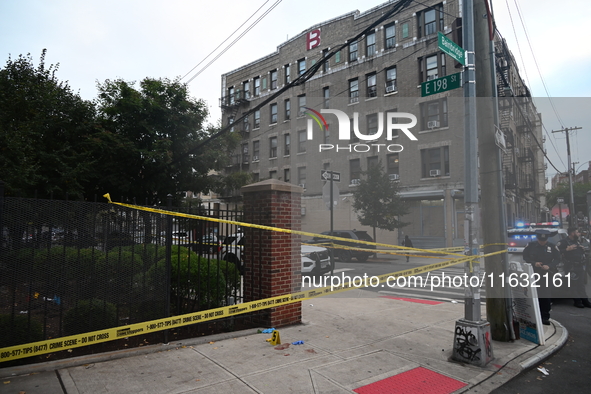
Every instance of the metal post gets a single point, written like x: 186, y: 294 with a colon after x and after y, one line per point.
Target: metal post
x: 471, y: 329
x: 168, y: 260
x: 472, y: 299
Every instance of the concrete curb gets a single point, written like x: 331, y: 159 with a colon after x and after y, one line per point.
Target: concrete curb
x: 544, y: 354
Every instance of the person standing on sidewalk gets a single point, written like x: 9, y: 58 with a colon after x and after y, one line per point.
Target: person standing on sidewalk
x: 573, y: 256
x: 544, y: 257
x: 408, y: 243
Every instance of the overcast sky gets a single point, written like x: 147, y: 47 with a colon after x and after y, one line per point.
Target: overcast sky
x: 95, y: 40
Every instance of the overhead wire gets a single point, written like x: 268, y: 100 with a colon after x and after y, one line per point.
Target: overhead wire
x: 222, y: 43
x: 235, y: 40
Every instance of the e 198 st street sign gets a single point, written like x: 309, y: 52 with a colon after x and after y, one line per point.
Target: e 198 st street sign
x: 442, y: 84
x: 451, y: 48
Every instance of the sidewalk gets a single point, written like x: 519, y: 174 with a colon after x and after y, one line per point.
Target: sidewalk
x: 351, y: 340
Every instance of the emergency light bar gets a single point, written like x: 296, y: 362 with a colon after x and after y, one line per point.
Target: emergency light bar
x: 542, y: 224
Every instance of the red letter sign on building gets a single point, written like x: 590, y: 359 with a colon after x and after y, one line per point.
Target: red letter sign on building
x: 313, y: 39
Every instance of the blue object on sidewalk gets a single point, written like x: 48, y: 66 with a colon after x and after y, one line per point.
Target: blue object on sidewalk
x: 298, y: 343
x: 268, y: 330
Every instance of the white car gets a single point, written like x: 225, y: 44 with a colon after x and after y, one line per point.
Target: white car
x: 315, y: 259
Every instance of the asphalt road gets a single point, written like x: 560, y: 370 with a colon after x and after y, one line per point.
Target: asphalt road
x: 569, y: 369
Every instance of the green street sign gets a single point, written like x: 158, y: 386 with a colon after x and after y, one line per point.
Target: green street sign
x: 451, y: 48
x: 442, y: 84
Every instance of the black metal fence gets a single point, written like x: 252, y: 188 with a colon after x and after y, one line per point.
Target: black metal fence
x: 69, y: 267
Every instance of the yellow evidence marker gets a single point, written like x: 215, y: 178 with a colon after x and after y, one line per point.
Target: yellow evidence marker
x: 275, y: 338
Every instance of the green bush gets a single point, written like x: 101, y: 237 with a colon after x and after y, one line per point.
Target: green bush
x: 90, y: 315
x: 199, y: 283
x: 18, y: 331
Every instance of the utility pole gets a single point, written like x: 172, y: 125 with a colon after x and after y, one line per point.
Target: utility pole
x: 494, y: 232
x: 571, y: 205
x: 472, y: 325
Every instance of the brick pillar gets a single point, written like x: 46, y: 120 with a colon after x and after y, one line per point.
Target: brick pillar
x: 272, y: 259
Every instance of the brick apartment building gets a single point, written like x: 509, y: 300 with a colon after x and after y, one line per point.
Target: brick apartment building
x: 379, y: 73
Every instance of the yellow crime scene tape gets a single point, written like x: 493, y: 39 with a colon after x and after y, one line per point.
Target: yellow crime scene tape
x: 110, y: 334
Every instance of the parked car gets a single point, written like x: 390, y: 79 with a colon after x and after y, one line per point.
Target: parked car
x: 345, y: 254
x: 519, y: 237
x: 315, y: 259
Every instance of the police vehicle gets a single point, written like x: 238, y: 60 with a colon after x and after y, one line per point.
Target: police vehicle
x: 524, y: 233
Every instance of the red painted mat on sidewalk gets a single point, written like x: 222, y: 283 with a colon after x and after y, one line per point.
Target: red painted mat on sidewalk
x: 418, y: 380
x: 418, y: 301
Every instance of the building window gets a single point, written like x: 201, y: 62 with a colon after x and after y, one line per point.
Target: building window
x: 355, y: 170
x: 354, y: 90
x: 264, y: 83
x: 370, y: 44
x: 245, y: 125
x: 302, y: 139
x: 430, y: 21
x: 392, y: 164
x: 435, y: 162
x: 372, y: 124
x: 337, y: 57
x: 257, y: 86
x: 287, y: 107
x: 272, y: 174
x: 273, y: 78
x: 245, y: 157
x: 352, y: 127
x: 371, y: 85
x: 431, y: 67
x: 230, y: 95
x: 390, y: 36
x: 246, y: 88
x: 302, y: 176
x: 394, y: 120
x: 326, y: 63
x: 301, y: 66
x: 286, y: 70
x: 301, y: 105
x: 273, y: 110
x: 326, y: 96
x: 230, y: 121
x: 353, y: 51
x: 434, y: 114
x: 273, y: 148
x: 391, y: 80
x: 256, y: 145
x: 286, y: 145
x: 372, y: 161
x: 257, y: 119
x: 286, y: 175
x: 405, y: 30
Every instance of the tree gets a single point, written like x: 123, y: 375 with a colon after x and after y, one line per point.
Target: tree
x: 377, y: 202
x: 563, y: 190
x: 144, y: 148
x: 45, y: 131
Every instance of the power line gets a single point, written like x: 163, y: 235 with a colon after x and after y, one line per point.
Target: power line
x: 235, y: 40
x: 222, y: 43
x: 536, y: 63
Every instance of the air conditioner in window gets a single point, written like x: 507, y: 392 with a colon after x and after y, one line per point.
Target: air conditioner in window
x: 394, y: 177
x: 390, y: 88
x: 431, y: 77
x: 432, y: 124
x: 434, y: 173
x: 302, y: 185
x: 355, y: 182
x: 255, y: 158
